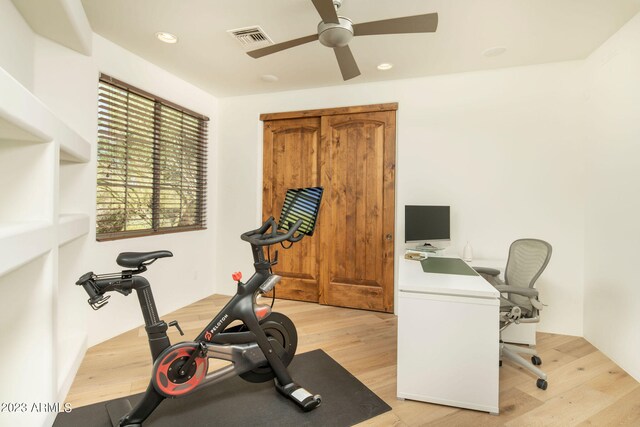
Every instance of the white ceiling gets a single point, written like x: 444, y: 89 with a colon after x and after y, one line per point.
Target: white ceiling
x: 533, y: 31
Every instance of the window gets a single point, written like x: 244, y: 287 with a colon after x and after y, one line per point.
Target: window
x: 152, y: 164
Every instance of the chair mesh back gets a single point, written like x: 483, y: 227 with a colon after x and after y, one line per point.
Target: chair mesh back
x: 527, y: 260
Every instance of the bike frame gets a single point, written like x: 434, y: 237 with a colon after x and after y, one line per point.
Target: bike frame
x: 226, y: 346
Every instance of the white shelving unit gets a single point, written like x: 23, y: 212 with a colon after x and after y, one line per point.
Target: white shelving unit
x: 30, y: 135
x: 23, y: 117
x: 26, y: 316
x: 72, y: 226
x: 35, y: 233
x: 73, y: 148
x: 22, y: 242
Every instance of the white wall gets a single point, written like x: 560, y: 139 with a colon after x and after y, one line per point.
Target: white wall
x: 502, y: 148
x: 612, y: 237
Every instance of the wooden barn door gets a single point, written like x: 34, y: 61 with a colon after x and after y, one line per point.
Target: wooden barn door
x: 357, y: 241
x: 291, y: 160
x: 349, y: 261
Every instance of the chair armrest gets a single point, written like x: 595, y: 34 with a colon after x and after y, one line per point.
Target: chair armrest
x: 486, y: 270
x: 527, y: 292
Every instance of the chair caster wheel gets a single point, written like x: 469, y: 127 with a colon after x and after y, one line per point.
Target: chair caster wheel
x: 542, y: 384
x: 536, y: 360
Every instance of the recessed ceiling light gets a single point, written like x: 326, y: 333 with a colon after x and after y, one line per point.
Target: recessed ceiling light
x: 166, y: 37
x: 270, y: 78
x: 385, y: 66
x: 494, y: 51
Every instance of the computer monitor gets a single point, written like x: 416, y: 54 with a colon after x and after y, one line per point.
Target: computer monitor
x: 426, y: 223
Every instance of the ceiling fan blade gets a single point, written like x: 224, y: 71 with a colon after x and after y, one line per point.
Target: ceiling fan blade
x: 258, y: 53
x: 347, y: 62
x: 409, y: 24
x: 326, y: 10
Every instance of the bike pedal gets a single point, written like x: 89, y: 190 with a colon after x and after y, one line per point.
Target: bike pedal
x: 312, y: 403
x: 299, y: 395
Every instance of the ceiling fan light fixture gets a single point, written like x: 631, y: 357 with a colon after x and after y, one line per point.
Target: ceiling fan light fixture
x: 385, y: 66
x: 335, y: 35
x: 167, y: 37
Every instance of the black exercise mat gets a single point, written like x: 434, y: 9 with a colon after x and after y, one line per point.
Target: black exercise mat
x: 235, y: 402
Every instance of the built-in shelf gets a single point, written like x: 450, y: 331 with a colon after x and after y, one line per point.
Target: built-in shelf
x: 22, y: 242
x: 27, y: 126
x: 23, y: 117
x: 61, y: 21
x: 74, y: 148
x: 72, y: 226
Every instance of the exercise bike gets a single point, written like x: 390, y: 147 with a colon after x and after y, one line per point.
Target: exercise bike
x: 259, y: 348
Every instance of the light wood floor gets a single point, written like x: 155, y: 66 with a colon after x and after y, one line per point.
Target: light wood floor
x: 585, y: 387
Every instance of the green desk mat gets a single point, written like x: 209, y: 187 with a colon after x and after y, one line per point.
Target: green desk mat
x: 447, y: 266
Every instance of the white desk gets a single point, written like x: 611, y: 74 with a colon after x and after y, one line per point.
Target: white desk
x: 448, y: 338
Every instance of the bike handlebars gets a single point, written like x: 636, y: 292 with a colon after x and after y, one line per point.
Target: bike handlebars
x: 260, y: 237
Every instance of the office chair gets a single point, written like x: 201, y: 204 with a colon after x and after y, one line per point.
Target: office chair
x: 527, y: 260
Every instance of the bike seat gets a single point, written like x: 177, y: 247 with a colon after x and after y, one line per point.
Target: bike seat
x: 136, y: 259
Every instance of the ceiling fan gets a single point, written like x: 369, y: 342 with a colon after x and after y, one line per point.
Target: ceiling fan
x: 336, y: 31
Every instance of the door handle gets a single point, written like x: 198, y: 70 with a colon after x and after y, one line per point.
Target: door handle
x: 389, y: 237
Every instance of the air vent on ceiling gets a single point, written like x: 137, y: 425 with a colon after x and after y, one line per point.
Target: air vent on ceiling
x: 251, y: 37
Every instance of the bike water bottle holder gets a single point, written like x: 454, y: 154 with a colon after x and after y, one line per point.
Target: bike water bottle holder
x: 98, y: 302
x: 97, y: 299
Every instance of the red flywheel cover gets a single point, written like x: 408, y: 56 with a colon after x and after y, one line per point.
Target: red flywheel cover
x: 165, y: 374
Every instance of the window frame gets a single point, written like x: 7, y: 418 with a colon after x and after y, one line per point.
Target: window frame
x: 201, y: 160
